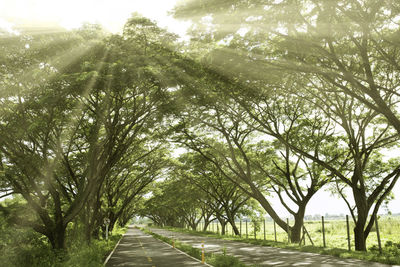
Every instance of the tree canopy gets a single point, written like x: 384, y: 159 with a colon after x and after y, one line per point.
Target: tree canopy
x: 268, y: 98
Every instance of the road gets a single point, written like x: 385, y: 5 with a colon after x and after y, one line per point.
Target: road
x: 139, y: 249
x: 265, y: 256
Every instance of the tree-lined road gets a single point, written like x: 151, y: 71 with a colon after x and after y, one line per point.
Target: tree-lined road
x: 139, y: 249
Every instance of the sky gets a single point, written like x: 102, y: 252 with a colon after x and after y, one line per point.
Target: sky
x: 112, y: 15
x: 70, y: 14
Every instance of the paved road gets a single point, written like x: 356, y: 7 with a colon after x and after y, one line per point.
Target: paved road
x: 139, y: 249
x: 266, y: 256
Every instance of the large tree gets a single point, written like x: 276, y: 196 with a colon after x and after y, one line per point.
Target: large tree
x: 66, y: 123
x: 225, y: 134
x: 343, y: 59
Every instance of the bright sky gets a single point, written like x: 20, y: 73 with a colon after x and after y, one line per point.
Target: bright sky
x: 112, y: 15
x: 71, y: 13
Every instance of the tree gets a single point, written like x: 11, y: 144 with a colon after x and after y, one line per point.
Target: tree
x: 129, y: 182
x: 343, y: 53
x: 176, y: 203
x: 81, y: 117
x: 225, y: 199
x: 358, y: 137
x: 34, y: 118
x: 223, y: 133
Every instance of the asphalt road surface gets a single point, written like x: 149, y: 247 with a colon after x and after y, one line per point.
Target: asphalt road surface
x: 139, y: 249
x: 265, y: 256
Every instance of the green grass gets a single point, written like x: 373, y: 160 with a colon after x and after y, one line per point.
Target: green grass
x: 24, y: 247
x: 336, y: 235
x: 214, y: 259
x: 335, y: 232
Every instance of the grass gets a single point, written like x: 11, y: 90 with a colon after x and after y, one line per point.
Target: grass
x: 214, y: 259
x: 21, y: 246
x: 335, y: 234
x: 28, y: 248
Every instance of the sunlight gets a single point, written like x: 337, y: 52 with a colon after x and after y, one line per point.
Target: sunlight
x: 112, y: 15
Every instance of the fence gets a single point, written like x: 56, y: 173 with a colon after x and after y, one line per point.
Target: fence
x: 323, y: 233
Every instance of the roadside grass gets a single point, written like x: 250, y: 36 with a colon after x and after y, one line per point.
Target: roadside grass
x: 24, y: 247
x: 390, y: 250
x: 335, y: 232
x: 214, y: 259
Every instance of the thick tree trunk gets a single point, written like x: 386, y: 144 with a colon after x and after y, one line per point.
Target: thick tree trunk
x: 257, y: 195
x: 359, y: 239
x: 235, y: 229
x: 295, y: 230
x: 206, y: 223
x: 359, y: 234
x: 57, y: 237
x: 231, y: 220
x: 233, y: 224
x: 362, y: 211
x: 223, y: 227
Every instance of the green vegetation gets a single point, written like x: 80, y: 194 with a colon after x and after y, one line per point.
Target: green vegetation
x: 268, y: 100
x: 390, y: 252
x: 25, y: 247
x: 335, y: 232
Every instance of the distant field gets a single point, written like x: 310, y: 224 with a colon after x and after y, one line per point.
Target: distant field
x: 335, y: 232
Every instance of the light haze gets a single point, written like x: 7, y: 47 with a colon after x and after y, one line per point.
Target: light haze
x: 112, y: 15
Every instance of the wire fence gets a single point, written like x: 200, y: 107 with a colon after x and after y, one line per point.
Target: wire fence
x: 336, y: 233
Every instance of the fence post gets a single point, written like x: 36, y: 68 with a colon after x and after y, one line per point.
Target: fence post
x: 247, y: 233
x: 240, y: 230
x: 378, y: 235
x: 288, y: 230
x: 202, y: 252
x: 264, y: 228
x: 323, y: 232
x: 348, y: 232
x: 275, y: 230
x: 255, y: 229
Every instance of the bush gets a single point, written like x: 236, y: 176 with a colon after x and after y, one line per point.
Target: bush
x: 224, y: 261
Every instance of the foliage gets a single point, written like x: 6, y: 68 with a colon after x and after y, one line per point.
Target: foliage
x: 70, y: 127
x: 21, y: 246
x: 288, y: 55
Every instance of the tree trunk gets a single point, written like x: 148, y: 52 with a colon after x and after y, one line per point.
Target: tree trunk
x: 57, y: 237
x: 359, y: 236
x: 87, y: 226
x: 206, y: 223
x: 223, y: 226
x: 362, y: 211
x: 235, y: 229
x: 257, y: 195
x: 295, y: 230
